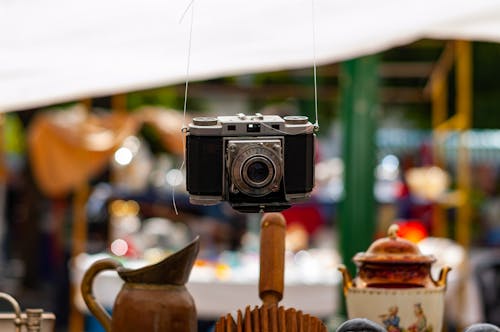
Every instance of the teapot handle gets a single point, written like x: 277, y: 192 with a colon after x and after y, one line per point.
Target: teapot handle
x: 95, y: 308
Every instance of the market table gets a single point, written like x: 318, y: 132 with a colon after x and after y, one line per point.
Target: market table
x: 312, y: 283
x: 316, y: 294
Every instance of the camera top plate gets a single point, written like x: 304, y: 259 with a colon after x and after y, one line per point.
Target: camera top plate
x: 253, y: 125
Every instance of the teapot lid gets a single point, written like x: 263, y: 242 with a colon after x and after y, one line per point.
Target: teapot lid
x: 393, y: 249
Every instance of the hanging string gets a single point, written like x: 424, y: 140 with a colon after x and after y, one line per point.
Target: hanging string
x: 191, y: 5
x: 185, y: 11
x: 184, y: 126
x: 313, y: 28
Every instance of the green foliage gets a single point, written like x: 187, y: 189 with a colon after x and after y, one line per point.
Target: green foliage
x: 14, y: 136
x: 167, y: 97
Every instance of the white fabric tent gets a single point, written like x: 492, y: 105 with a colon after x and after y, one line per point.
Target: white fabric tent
x: 54, y: 51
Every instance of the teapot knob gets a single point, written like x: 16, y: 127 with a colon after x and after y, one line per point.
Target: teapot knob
x: 392, y: 232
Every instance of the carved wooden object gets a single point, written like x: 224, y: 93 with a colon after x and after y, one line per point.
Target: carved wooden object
x: 270, y: 317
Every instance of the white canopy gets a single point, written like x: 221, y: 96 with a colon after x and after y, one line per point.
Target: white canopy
x: 54, y: 51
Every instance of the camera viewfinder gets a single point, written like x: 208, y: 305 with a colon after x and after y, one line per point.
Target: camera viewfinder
x: 253, y: 128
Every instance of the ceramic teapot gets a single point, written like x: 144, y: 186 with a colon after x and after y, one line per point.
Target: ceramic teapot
x: 153, y: 298
x: 394, y: 286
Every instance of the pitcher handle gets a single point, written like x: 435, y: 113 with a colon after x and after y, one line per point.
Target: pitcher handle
x: 88, y: 296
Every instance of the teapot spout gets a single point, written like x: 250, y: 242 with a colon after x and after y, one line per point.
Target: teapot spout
x: 346, y: 277
x: 442, y: 280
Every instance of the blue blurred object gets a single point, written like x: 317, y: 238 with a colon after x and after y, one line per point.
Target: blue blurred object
x: 93, y: 325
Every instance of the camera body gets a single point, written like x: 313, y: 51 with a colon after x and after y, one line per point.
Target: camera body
x: 258, y: 163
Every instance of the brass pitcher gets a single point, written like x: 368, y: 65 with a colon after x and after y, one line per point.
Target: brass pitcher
x: 153, y: 298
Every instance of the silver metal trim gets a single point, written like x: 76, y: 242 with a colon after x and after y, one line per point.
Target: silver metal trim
x: 297, y: 125
x: 258, y: 159
x: 239, y: 152
x: 204, y: 200
x: 296, y: 120
x: 298, y: 197
x: 205, y: 121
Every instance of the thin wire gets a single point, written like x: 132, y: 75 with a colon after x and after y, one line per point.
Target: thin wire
x: 191, y: 5
x: 185, y: 11
x: 184, y: 127
x: 313, y: 21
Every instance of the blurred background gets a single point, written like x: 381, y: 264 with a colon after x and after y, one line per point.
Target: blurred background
x: 408, y: 135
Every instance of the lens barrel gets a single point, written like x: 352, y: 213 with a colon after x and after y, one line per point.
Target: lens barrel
x: 256, y: 166
x: 257, y: 171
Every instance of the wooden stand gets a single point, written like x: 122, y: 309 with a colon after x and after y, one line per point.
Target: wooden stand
x: 269, y: 317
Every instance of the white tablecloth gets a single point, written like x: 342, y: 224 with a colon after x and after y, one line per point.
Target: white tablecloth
x: 214, y: 298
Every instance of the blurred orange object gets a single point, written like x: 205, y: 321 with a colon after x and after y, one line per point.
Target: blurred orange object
x: 412, y: 230
x: 296, y: 238
x: 429, y: 182
x: 222, y: 271
x: 68, y: 147
x: 168, y: 124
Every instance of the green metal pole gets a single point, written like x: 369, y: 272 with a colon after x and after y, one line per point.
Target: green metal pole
x: 359, y: 105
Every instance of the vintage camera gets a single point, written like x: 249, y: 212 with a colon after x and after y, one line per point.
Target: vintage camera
x: 258, y: 163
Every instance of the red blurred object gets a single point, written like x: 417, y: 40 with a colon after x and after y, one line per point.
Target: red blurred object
x: 124, y: 248
x: 412, y: 230
x: 307, y: 215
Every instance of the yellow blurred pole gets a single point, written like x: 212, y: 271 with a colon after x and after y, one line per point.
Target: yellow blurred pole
x: 87, y: 103
x: 119, y: 103
x: 3, y: 179
x: 438, y: 90
x: 439, y: 113
x: 78, y: 243
x: 3, y: 166
x: 438, y: 86
x: 463, y: 51
x: 439, y: 102
x: 79, y: 231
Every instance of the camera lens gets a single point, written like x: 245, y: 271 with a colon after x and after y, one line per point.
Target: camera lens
x: 255, y: 166
x: 257, y: 171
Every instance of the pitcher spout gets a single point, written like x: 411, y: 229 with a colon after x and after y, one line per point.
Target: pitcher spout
x: 346, y: 277
x: 173, y: 270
